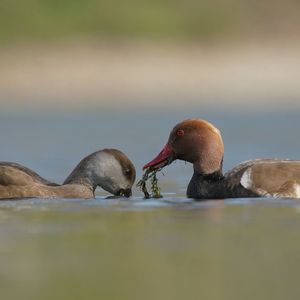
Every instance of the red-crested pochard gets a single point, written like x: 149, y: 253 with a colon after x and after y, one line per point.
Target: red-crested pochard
x: 108, y: 168
x: 200, y: 143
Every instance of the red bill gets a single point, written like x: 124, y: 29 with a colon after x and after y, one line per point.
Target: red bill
x: 165, y: 157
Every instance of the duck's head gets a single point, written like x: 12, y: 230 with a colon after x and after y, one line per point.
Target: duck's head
x: 195, y: 141
x: 116, y: 173
x: 110, y: 169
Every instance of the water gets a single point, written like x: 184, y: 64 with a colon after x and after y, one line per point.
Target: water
x: 171, y: 248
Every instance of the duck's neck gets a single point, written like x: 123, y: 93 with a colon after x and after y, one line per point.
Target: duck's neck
x: 80, y: 176
x: 206, y: 186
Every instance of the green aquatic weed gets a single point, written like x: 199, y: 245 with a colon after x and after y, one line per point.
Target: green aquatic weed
x: 150, y: 173
x: 155, y: 189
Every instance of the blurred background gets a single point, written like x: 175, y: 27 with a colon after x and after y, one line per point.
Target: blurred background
x: 86, y: 55
x: 80, y: 75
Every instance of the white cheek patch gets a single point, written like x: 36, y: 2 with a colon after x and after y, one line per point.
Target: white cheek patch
x: 246, y: 180
x: 110, y: 171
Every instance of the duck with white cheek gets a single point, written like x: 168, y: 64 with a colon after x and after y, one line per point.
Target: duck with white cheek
x: 108, y: 168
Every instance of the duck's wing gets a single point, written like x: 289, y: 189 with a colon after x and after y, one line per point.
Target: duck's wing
x: 268, y: 177
x: 16, y: 174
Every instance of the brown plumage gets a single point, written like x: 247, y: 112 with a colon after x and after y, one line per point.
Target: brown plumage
x: 108, y: 168
x: 200, y: 143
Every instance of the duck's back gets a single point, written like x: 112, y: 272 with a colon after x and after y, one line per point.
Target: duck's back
x: 268, y: 177
x: 18, y: 175
x: 17, y: 181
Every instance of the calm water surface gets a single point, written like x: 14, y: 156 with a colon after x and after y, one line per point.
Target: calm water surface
x: 171, y: 248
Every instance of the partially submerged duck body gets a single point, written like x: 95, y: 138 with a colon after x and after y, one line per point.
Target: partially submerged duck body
x: 108, y: 168
x: 200, y: 143
x: 254, y: 178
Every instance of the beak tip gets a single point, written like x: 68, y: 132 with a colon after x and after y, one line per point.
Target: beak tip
x: 128, y: 193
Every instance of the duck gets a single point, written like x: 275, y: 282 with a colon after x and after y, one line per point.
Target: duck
x: 199, y: 142
x: 110, y: 169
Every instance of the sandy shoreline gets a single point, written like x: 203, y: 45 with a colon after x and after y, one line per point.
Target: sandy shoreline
x: 126, y: 76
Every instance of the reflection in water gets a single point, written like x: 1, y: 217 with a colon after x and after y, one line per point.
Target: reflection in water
x: 111, y: 249
x: 216, y: 212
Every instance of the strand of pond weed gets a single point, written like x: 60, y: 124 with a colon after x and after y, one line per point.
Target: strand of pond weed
x: 155, y: 190
x: 150, y: 173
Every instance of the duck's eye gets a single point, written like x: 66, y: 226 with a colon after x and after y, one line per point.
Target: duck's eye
x: 127, y: 172
x: 180, y: 132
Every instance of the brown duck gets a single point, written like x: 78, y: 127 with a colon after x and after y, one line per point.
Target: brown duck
x: 108, y: 168
x: 200, y: 143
